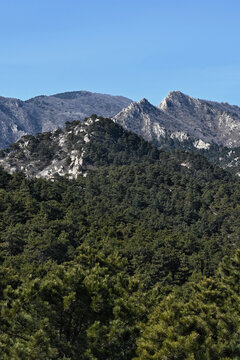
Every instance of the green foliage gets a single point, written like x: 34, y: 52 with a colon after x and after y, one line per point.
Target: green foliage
x: 79, y: 310
x: 201, y: 322
x: 122, y: 264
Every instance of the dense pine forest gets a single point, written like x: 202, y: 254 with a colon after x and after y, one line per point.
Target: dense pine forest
x: 138, y: 260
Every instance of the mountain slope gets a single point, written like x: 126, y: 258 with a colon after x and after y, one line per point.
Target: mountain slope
x: 47, y: 113
x: 88, y: 145
x: 210, y: 121
x: 152, y: 123
x: 76, y: 149
x: 181, y: 122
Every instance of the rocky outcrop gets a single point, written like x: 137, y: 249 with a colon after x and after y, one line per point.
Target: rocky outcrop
x: 182, y: 122
x: 181, y: 116
x: 209, y: 121
x: 73, y: 151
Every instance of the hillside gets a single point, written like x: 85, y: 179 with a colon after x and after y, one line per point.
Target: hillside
x: 80, y: 146
x: 84, y: 146
x: 92, y: 265
x: 47, y: 113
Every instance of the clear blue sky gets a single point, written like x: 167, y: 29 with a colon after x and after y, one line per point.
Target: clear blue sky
x: 131, y: 48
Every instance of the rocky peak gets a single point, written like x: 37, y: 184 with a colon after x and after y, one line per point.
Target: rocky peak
x: 142, y: 118
x: 140, y: 106
x: 143, y: 106
x: 177, y: 99
x: 209, y: 121
x: 144, y: 102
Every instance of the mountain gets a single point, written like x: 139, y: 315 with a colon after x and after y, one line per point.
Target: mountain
x: 150, y: 122
x: 47, y: 113
x: 179, y: 122
x: 182, y: 122
x: 209, y: 121
x: 88, y: 145
x: 122, y: 263
x: 79, y: 147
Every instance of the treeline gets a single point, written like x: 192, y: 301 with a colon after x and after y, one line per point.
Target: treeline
x: 121, y: 264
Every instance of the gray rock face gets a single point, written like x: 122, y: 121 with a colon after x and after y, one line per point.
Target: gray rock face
x: 181, y: 116
x: 182, y: 122
x: 145, y: 120
x: 209, y: 121
x: 47, y: 113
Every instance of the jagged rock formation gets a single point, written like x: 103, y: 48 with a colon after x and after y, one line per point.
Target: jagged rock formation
x: 182, y: 122
x: 181, y: 116
x: 209, y: 121
x: 143, y: 119
x: 154, y: 124
x: 47, y: 113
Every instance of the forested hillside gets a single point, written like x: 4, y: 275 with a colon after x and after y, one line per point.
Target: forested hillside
x: 125, y: 263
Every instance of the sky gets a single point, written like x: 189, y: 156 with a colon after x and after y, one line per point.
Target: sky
x: 132, y: 48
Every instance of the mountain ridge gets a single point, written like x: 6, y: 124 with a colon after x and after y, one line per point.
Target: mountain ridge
x: 182, y: 122
x: 86, y: 146
x: 73, y: 151
x: 209, y: 121
x: 178, y: 122
x: 46, y: 113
